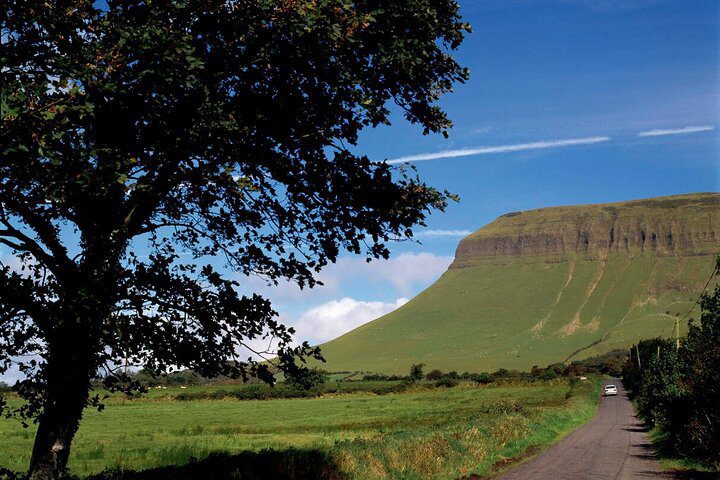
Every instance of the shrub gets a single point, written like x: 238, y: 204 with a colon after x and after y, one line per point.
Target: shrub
x: 481, y: 378
x: 548, y: 374
x: 309, y: 379
x: 434, y: 375
x: 446, y: 381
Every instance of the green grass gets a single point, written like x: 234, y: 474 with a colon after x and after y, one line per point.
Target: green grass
x: 438, y: 433
x: 483, y: 313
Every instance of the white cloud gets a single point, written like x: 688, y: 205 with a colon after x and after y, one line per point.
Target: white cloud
x: 464, y: 152
x: 337, y: 317
x: 443, y: 233
x: 676, y: 131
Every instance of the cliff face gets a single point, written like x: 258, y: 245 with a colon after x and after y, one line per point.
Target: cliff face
x: 677, y: 225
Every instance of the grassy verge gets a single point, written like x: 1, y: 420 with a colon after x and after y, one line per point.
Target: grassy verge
x: 424, y: 434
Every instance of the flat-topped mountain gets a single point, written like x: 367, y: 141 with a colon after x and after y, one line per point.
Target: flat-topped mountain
x: 547, y: 285
x: 676, y: 225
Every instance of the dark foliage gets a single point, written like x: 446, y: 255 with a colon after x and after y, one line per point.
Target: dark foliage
x: 481, y: 378
x: 433, y: 375
x: 148, y: 147
x: 416, y: 372
x: 311, y: 379
x: 446, y: 381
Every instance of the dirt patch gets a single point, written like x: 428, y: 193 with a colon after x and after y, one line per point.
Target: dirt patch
x: 506, y: 462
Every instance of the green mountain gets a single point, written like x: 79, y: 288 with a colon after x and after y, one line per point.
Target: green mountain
x: 548, y: 285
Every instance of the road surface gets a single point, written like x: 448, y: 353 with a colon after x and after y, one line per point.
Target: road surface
x: 613, y: 445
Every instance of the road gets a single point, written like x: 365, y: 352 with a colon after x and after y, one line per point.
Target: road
x: 613, y: 445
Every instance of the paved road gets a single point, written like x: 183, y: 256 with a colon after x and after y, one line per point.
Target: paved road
x: 613, y: 445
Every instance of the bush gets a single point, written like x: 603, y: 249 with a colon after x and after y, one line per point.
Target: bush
x: 481, y: 378
x: 548, y: 374
x: 308, y: 379
x: 446, y: 381
x: 434, y: 375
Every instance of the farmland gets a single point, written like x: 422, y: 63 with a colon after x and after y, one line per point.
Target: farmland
x: 421, y: 433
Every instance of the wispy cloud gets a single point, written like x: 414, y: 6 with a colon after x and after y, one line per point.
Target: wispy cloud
x: 443, y: 233
x: 676, y: 131
x: 518, y: 147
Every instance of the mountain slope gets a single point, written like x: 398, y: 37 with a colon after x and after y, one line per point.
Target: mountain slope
x: 548, y: 285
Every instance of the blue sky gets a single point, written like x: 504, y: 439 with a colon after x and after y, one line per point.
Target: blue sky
x: 597, y: 74
x: 546, y: 71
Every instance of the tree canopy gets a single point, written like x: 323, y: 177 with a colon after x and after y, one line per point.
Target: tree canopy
x: 143, y: 140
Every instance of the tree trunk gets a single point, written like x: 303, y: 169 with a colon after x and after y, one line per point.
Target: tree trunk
x: 68, y: 382
x: 56, y: 429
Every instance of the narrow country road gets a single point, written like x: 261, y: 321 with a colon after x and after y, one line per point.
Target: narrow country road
x: 613, y: 445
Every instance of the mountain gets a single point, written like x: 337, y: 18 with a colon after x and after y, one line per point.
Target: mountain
x: 548, y: 285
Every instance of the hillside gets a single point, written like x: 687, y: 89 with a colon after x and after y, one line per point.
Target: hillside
x: 548, y: 285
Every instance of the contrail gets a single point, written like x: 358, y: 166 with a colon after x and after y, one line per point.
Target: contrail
x: 464, y: 152
x: 676, y: 131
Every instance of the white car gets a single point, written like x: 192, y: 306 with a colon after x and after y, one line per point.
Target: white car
x: 610, y: 390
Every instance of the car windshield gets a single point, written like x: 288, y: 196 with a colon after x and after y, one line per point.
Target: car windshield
x: 610, y: 386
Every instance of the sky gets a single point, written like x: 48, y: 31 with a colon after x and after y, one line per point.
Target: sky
x: 569, y: 102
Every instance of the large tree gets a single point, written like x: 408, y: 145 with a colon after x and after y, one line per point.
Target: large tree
x: 149, y: 147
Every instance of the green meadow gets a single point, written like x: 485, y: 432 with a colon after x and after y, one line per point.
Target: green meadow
x: 424, y: 433
x: 519, y: 314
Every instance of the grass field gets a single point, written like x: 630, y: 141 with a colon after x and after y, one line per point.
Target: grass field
x: 423, y: 434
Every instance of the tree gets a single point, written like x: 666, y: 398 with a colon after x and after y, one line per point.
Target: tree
x: 151, y: 146
x: 699, y: 433
x: 416, y: 372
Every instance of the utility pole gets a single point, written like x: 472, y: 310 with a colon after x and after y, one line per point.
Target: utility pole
x: 124, y: 384
x: 677, y: 334
x: 637, y: 352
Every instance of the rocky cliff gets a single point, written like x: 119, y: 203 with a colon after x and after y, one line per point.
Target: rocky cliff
x: 684, y: 224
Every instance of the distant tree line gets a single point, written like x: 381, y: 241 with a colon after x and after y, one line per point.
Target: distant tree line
x: 610, y: 363
x: 677, y: 385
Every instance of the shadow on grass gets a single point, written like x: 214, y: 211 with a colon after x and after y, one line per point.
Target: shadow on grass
x: 681, y: 468
x: 291, y: 464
